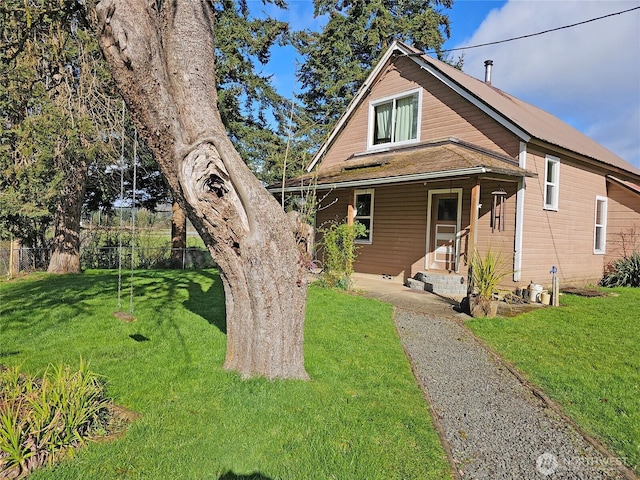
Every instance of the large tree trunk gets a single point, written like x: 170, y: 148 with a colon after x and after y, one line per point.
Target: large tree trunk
x: 65, y: 254
x: 178, y: 236
x: 163, y: 63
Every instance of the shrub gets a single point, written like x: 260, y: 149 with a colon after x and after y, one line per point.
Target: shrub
x: 624, y: 272
x: 42, y: 418
x: 340, y: 252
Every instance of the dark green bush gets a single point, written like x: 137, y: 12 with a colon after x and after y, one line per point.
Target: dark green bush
x: 624, y: 272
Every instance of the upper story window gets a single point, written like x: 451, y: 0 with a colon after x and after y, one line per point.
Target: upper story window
x: 394, y: 120
x: 363, y: 203
x: 600, y: 226
x: 551, y: 182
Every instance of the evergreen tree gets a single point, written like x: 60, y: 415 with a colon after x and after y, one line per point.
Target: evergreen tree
x: 62, y: 123
x: 55, y: 111
x: 338, y: 59
x: 253, y: 113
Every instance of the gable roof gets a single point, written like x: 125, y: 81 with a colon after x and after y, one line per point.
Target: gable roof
x: 523, y: 119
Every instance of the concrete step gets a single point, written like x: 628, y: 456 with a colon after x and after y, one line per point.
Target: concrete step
x: 441, y: 284
x: 415, y: 284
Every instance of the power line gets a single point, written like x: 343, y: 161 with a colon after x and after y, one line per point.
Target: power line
x: 535, y: 34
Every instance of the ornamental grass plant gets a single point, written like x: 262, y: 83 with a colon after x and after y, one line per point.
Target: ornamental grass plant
x: 41, y: 419
x: 624, y: 272
x: 487, y: 272
x: 340, y: 252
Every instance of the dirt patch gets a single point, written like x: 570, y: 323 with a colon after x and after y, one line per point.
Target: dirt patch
x: 119, y: 419
x: 584, y: 292
x: 124, y: 316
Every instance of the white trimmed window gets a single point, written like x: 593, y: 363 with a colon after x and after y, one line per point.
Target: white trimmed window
x: 600, y: 226
x: 394, y: 120
x: 363, y: 213
x: 551, y: 182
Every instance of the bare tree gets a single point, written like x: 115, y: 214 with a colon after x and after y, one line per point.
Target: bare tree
x: 161, y: 55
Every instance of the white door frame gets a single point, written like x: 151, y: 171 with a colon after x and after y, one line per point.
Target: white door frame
x: 440, y: 191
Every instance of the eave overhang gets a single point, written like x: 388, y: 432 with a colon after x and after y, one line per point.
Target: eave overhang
x: 418, y: 177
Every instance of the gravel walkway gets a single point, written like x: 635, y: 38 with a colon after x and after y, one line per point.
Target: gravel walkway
x: 494, y: 425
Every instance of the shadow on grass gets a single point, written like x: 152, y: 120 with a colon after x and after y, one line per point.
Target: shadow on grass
x: 208, y: 303
x: 9, y: 353
x: 21, y: 298
x: 76, y: 294
x: 251, y: 476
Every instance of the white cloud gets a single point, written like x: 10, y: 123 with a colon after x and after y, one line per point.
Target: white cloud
x: 588, y: 75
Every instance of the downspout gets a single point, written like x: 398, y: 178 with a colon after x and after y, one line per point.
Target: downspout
x: 522, y: 186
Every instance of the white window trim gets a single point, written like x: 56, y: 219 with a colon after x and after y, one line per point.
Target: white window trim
x: 555, y: 161
x: 370, y: 191
x: 603, y: 226
x: 371, y: 125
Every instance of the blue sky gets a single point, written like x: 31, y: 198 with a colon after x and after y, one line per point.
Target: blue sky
x: 588, y: 75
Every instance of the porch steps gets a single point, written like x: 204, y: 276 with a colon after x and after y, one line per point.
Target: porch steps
x: 442, y: 284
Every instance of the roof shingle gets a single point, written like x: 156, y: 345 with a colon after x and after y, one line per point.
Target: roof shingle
x: 449, y: 157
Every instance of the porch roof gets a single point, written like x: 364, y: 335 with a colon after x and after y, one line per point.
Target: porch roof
x: 435, y: 160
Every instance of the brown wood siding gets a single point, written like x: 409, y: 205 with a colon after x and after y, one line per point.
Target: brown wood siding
x: 565, y: 237
x: 447, y: 114
x: 444, y: 114
x: 399, y: 229
x: 399, y: 232
x: 352, y: 139
x: 333, y: 207
x: 623, y: 222
x: 400, y: 225
x: 500, y: 242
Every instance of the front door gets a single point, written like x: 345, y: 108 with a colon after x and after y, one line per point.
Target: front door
x: 444, y: 224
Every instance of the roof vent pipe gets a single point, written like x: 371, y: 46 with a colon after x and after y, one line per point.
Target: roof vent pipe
x: 487, y: 71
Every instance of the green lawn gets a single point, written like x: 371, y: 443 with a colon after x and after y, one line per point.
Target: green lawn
x: 586, y: 356
x: 362, y: 416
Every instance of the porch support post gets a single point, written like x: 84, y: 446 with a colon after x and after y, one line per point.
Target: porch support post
x: 473, y: 222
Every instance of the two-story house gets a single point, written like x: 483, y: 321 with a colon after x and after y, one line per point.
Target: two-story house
x: 435, y: 163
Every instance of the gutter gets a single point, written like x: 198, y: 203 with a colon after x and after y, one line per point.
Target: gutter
x: 416, y: 177
x: 628, y: 185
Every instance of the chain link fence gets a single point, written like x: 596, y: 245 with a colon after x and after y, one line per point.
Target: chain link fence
x: 26, y: 260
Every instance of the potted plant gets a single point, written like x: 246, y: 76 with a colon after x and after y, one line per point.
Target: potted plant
x: 486, y: 273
